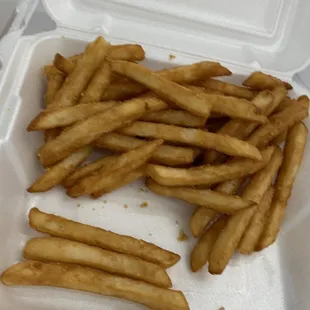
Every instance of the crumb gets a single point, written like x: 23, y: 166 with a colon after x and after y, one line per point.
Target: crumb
x: 177, y: 222
x: 150, y: 234
x: 125, y: 206
x: 78, y: 205
x: 222, y: 308
x: 144, y: 204
x: 93, y: 209
x: 104, y: 201
x: 144, y: 190
x: 182, y: 236
x: 171, y: 56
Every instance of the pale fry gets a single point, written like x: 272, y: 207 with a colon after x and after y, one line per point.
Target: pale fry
x: 76, y: 277
x: 65, y: 116
x: 61, y: 227
x: 256, y: 226
x: 261, y: 81
x: 222, y: 203
x: 66, y: 251
x: 293, y: 153
x: 194, y: 137
x: 200, y: 253
x: 229, y: 89
x: 108, y: 176
x: 57, y: 173
x: 181, y: 96
x: 75, y: 83
x: 165, y: 154
x: 90, y: 129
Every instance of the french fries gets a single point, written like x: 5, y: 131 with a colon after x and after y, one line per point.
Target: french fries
x: 165, y: 154
x: 64, y: 65
x: 194, y: 137
x: 72, y: 276
x: 293, y: 153
x: 67, y: 251
x: 60, y: 171
x: 181, y: 96
x: 108, y: 177
x: 203, y: 197
x: 200, y: 220
x: 90, y: 129
x: 60, y: 227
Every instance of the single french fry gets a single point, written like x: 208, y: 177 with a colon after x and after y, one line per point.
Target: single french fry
x: 90, y: 129
x: 222, y: 203
x: 57, y: 173
x: 97, y: 85
x: 108, y: 176
x: 65, y: 116
x: 200, y: 253
x: 293, y: 153
x: 76, y: 277
x: 66, y: 251
x: 61, y: 227
x: 123, y: 90
x: 256, y: 226
x: 55, y: 79
x: 279, y: 122
x: 75, y: 83
x: 181, y: 96
x: 207, y: 175
x: 165, y: 154
x: 229, y: 89
x: 261, y: 81
x: 194, y: 137
x: 65, y: 65
x: 175, y: 117
x: 280, y: 138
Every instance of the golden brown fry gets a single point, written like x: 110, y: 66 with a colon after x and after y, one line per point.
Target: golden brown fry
x: 165, y: 154
x: 175, y: 117
x: 66, y: 66
x: 229, y: 89
x: 57, y: 173
x: 207, y: 175
x: 90, y: 129
x: 280, y: 138
x: 200, y: 253
x: 123, y: 90
x: 75, y: 83
x: 97, y: 85
x: 203, y: 197
x: 108, y: 177
x: 51, y: 134
x: 261, y: 81
x: 256, y: 226
x: 130, y: 52
x: 88, y: 279
x: 62, y: 117
x: 181, y: 96
x: 195, y: 137
x: 61, y: 227
x: 66, y: 251
x: 293, y: 153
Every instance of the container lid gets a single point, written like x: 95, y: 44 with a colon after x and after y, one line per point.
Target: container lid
x: 265, y: 34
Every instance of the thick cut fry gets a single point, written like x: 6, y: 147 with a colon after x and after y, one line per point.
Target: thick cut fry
x: 76, y: 277
x: 195, y: 137
x: 175, y: 117
x: 86, y: 170
x: 57, y: 173
x: 55, y: 79
x: 261, y: 81
x: 75, y: 83
x: 293, y: 153
x: 229, y: 89
x: 67, y: 251
x: 108, y: 176
x: 97, y: 85
x: 200, y: 253
x: 279, y: 122
x: 62, y: 117
x: 90, y: 129
x: 165, y: 154
x: 203, y: 197
x: 64, y: 228
x: 266, y: 101
x: 207, y: 175
x: 256, y: 226
x: 181, y: 96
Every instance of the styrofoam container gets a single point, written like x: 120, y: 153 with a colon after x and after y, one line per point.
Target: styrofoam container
x: 245, y: 35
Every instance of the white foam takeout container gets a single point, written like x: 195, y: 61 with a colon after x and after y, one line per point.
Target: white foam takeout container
x: 245, y: 35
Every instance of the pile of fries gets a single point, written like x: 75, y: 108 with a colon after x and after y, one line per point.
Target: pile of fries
x: 210, y: 143
x: 88, y: 258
